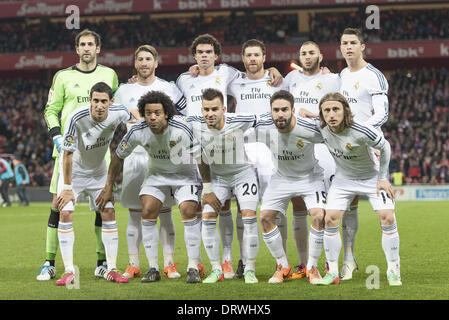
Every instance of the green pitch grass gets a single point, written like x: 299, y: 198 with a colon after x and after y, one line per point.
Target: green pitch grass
x: 424, y: 249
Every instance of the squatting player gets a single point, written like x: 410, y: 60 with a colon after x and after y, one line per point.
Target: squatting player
x: 308, y: 87
x: 70, y: 89
x: 350, y: 144
x: 87, y: 137
x: 172, y: 173
x: 136, y: 164
x: 291, y: 140
x: 227, y: 172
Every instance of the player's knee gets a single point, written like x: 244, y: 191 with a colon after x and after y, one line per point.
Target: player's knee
x: 331, y: 219
x: 65, y: 216
x: 317, y: 217
x: 266, y: 219
x: 188, y: 210
x: 386, y: 218
x: 108, y: 214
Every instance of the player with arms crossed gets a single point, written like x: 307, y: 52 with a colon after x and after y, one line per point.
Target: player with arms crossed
x: 87, y: 137
x: 350, y: 144
x: 136, y: 165
x: 227, y: 172
x: 308, y: 86
x: 172, y: 173
x: 69, y: 91
x: 365, y: 88
x: 291, y: 140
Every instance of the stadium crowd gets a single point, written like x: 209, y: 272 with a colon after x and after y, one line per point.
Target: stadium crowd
x: 417, y: 128
x: 397, y: 25
x: 234, y: 29
x: 20, y: 36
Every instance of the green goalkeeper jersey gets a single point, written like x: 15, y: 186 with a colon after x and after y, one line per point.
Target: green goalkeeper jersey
x: 70, y: 89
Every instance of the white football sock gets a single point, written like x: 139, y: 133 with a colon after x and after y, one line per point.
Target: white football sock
x: 211, y: 240
x: 349, y: 227
x: 390, y: 245
x: 252, y: 241
x: 300, y: 232
x: 315, y: 247
x: 240, y: 228
x: 332, y: 247
x: 226, y: 226
x: 134, y: 237
x: 167, y: 236
x: 192, y: 238
x: 273, y: 240
x: 109, y: 235
x: 281, y: 222
x: 66, y: 237
x: 150, y: 237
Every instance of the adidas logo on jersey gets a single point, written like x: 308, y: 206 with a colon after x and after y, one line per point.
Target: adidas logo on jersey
x: 192, y: 86
x: 76, y: 85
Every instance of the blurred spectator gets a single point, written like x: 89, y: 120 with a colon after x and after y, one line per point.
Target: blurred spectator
x: 6, y: 175
x: 22, y: 179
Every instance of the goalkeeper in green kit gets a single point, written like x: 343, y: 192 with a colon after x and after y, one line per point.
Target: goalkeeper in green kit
x: 71, y: 89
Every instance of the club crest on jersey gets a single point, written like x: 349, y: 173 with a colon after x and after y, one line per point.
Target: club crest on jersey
x: 319, y: 86
x: 269, y: 83
x: 172, y: 143
x: 69, y: 139
x: 299, y: 144
x: 217, y: 80
x: 356, y: 86
x: 348, y: 146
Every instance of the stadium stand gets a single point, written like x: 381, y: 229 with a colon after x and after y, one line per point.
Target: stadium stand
x: 417, y: 128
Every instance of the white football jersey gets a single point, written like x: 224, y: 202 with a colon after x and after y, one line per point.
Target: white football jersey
x: 89, y: 140
x: 128, y: 94
x: 351, y: 150
x: 359, y: 87
x: 293, y: 152
x: 252, y: 95
x: 308, y: 90
x: 170, y: 152
x: 192, y: 87
x: 223, y: 149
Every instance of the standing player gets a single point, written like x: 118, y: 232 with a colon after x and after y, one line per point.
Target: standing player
x: 87, y: 137
x: 350, y: 144
x: 365, y: 88
x: 136, y: 165
x: 252, y: 91
x: 70, y: 90
x: 298, y: 174
x: 170, y: 175
x: 206, y: 50
x: 229, y: 172
x: 308, y: 87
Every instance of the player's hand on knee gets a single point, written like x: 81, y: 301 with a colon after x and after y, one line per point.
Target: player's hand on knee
x: 103, y: 198
x: 386, y: 186
x: 65, y: 197
x: 212, y: 200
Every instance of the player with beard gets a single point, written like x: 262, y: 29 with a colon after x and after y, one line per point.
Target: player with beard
x: 252, y: 91
x: 298, y: 174
x: 136, y: 164
x: 308, y: 87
